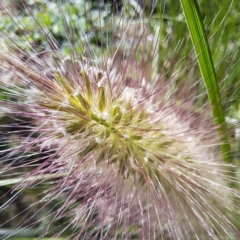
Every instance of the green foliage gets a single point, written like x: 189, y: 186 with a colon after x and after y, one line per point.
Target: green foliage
x: 197, y: 33
x: 221, y: 21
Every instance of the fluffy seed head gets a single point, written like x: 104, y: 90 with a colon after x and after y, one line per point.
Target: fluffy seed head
x: 134, y: 164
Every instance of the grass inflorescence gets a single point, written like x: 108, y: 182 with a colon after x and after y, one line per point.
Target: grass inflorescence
x: 102, y: 142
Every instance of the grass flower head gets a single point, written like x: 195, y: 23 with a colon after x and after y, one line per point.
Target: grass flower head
x: 133, y: 161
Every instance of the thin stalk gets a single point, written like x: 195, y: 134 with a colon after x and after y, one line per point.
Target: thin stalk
x: 196, y: 29
x: 13, y: 181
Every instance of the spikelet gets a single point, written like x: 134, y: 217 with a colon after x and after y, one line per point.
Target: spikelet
x: 131, y: 161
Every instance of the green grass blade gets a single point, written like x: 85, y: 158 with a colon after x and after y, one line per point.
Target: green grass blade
x: 199, y: 40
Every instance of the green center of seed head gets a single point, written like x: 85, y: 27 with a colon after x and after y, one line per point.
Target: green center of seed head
x: 114, y: 128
